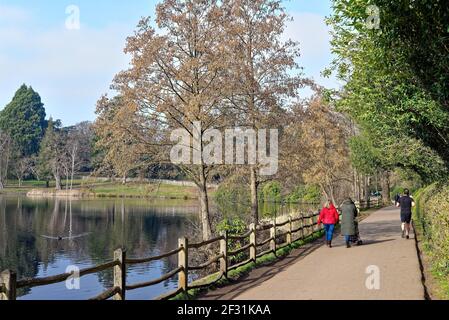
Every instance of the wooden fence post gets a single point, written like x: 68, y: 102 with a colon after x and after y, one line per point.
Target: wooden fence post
x: 252, y: 241
x: 8, y: 281
x: 289, y: 234
x: 183, y: 262
x: 302, y: 227
x: 224, y: 252
x: 120, y: 274
x: 312, y: 227
x: 273, y: 237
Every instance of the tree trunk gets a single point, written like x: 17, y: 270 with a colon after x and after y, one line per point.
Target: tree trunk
x: 58, y: 181
x: 72, y: 173
x: 124, y: 179
x: 359, y: 188
x: 204, y: 206
x: 1, y: 185
x: 366, y: 188
x: 254, y: 196
x: 354, y: 185
x: 377, y: 182
x: 331, y: 189
x: 20, y: 182
x: 386, y: 188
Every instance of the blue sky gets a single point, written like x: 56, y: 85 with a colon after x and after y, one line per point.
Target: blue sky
x: 71, y: 69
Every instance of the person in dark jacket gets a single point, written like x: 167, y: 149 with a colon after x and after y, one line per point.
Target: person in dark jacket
x: 406, y: 203
x: 329, y: 217
x: 349, y: 213
x: 396, y: 199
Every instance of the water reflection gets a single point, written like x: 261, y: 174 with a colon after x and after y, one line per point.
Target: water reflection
x: 41, y: 237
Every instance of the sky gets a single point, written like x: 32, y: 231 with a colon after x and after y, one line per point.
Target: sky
x: 72, y: 65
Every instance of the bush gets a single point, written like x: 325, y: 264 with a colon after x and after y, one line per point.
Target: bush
x: 432, y: 212
x: 234, y: 226
x: 396, y: 190
x: 272, y: 192
x: 312, y: 194
x: 296, y: 195
x: 232, y: 193
x: 305, y: 194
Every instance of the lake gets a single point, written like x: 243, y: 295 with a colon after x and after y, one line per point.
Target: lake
x: 42, y: 237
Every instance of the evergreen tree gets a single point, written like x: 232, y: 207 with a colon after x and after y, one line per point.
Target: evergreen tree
x: 24, y: 120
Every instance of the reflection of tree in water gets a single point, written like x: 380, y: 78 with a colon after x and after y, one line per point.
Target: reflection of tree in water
x: 143, y: 228
x: 17, y: 247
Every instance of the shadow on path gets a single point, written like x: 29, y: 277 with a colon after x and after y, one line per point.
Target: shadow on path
x: 261, y: 274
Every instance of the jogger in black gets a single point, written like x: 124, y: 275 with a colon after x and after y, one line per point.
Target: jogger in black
x: 406, y: 203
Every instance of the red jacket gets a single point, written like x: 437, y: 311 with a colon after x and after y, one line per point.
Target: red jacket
x: 329, y: 215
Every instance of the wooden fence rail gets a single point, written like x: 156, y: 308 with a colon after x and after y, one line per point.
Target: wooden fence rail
x: 307, y: 226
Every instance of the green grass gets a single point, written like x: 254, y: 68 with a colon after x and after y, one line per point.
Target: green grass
x: 235, y: 275
x: 108, y: 189
x: 139, y: 190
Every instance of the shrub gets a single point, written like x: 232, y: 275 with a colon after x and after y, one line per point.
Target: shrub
x: 432, y: 212
x: 234, y: 226
x: 232, y: 193
x: 312, y: 194
x: 272, y: 192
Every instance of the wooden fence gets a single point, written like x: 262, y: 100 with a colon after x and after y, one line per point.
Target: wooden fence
x: 306, y: 227
x: 371, y: 203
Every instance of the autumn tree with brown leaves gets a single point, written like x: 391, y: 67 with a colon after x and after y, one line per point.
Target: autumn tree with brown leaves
x: 315, y: 147
x: 123, y: 151
x: 263, y: 70
x: 176, y: 78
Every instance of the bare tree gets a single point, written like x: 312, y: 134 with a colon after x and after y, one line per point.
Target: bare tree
x: 78, y: 148
x: 21, y: 168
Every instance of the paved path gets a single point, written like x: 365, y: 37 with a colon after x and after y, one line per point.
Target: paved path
x: 318, y: 272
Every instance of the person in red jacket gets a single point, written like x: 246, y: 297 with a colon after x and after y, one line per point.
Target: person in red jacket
x: 329, y: 217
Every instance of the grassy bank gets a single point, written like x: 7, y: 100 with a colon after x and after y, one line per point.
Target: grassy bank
x: 143, y: 190
x: 94, y: 188
x: 431, y: 216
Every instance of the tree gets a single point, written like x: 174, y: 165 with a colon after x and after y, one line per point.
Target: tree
x: 122, y: 151
x: 396, y: 77
x: 315, y: 146
x: 24, y: 120
x: 5, y: 155
x: 52, y: 156
x: 78, y: 148
x: 176, y: 79
x: 263, y: 70
x: 21, y: 168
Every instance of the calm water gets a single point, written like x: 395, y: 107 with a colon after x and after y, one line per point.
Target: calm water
x: 91, y: 230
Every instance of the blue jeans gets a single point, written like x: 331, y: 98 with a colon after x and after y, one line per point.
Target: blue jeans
x: 348, y: 238
x: 329, y: 231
